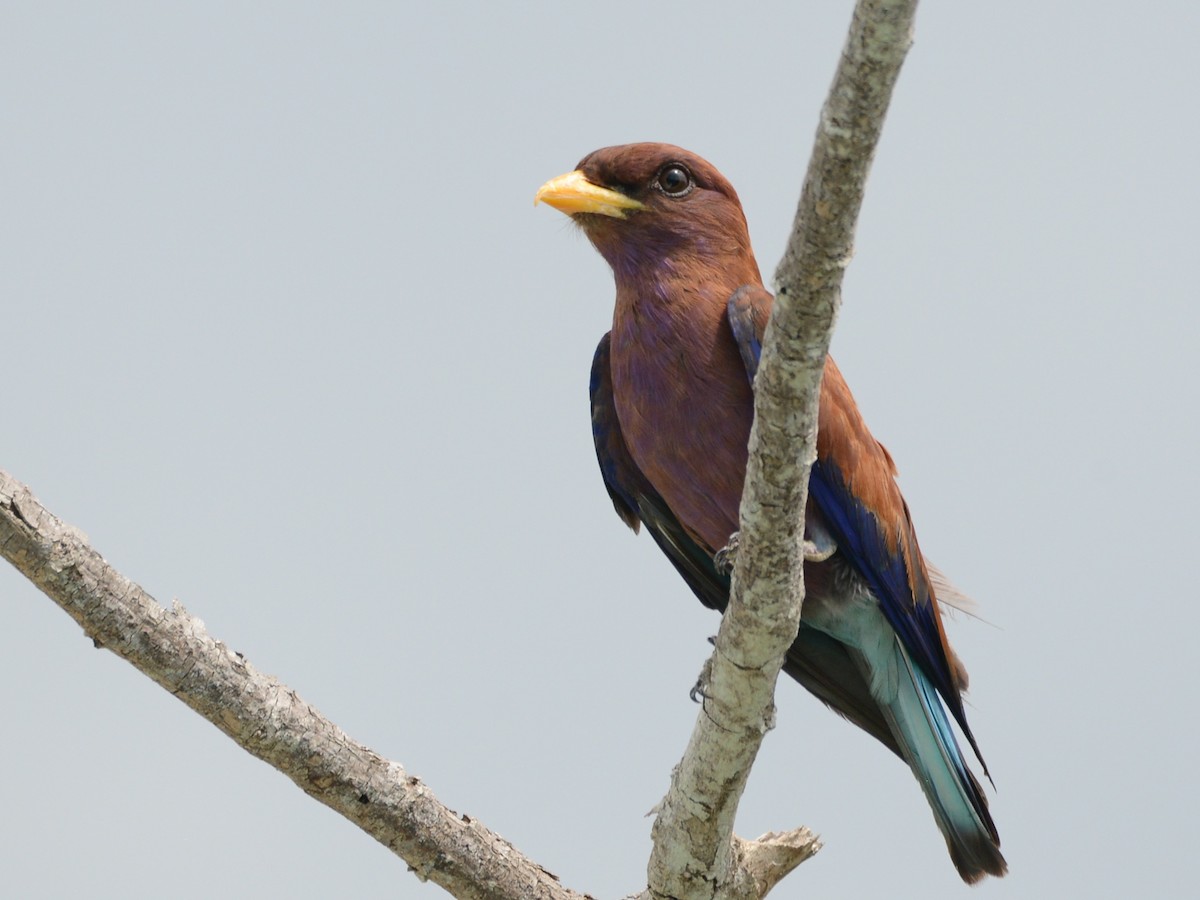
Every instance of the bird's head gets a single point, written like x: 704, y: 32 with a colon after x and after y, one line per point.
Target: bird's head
x: 653, y: 207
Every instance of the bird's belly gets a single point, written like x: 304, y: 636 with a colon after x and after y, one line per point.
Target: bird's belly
x: 689, y: 436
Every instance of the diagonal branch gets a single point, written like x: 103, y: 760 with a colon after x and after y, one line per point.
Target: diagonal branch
x: 695, y: 854
x: 263, y: 716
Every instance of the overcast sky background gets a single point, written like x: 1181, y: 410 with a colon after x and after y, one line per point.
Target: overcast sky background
x: 285, y: 336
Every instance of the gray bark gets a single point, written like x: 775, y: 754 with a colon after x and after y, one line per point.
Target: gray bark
x: 264, y: 717
x: 695, y: 851
x: 694, y: 856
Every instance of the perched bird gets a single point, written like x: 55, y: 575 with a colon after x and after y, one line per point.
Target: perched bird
x: 672, y: 403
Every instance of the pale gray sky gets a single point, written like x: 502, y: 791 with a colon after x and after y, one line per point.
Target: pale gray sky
x: 284, y: 334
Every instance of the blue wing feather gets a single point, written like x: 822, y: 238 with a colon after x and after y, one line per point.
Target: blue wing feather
x: 858, y: 535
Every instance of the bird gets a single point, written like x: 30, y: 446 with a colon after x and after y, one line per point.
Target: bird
x: 671, y: 393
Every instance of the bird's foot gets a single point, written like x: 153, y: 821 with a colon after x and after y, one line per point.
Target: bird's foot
x: 816, y: 552
x: 700, y: 688
x: 819, y: 544
x: 724, y: 558
x: 817, y: 548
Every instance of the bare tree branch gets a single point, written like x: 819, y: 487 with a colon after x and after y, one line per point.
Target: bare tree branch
x: 694, y: 854
x: 263, y: 716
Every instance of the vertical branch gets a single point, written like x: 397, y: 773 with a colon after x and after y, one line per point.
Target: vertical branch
x: 695, y: 851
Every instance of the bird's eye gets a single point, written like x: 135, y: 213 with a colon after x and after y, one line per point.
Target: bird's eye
x: 674, y: 180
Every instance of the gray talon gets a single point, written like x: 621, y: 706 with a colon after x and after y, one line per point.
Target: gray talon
x: 699, y: 689
x: 724, y: 558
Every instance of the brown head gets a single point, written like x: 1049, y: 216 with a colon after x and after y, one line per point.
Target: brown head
x: 652, y: 206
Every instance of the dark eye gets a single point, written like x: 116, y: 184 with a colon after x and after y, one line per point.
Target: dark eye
x: 674, y: 180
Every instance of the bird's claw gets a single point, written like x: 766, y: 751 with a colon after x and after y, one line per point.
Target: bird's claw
x: 700, y: 688
x: 818, y: 548
x: 814, y: 552
x: 725, y: 558
x: 819, y: 543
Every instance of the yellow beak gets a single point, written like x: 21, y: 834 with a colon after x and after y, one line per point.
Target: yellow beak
x: 573, y: 193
